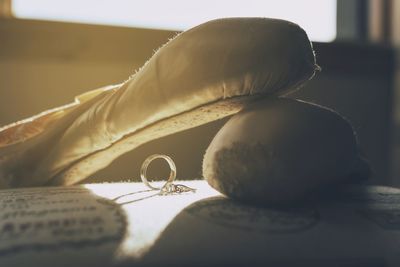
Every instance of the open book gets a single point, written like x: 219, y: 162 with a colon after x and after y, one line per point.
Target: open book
x: 125, y: 224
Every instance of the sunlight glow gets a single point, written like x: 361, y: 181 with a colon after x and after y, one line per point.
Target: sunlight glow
x: 147, y: 214
x: 317, y: 17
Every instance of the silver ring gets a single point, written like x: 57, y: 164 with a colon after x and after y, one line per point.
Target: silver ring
x: 145, y: 165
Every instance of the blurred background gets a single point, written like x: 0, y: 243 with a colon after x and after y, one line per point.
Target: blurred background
x: 53, y: 50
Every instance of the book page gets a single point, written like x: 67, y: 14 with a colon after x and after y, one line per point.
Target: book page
x: 125, y: 223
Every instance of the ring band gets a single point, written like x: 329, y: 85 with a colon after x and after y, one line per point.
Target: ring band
x: 146, y: 164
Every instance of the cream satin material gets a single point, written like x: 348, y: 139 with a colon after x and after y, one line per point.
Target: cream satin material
x: 220, y: 60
